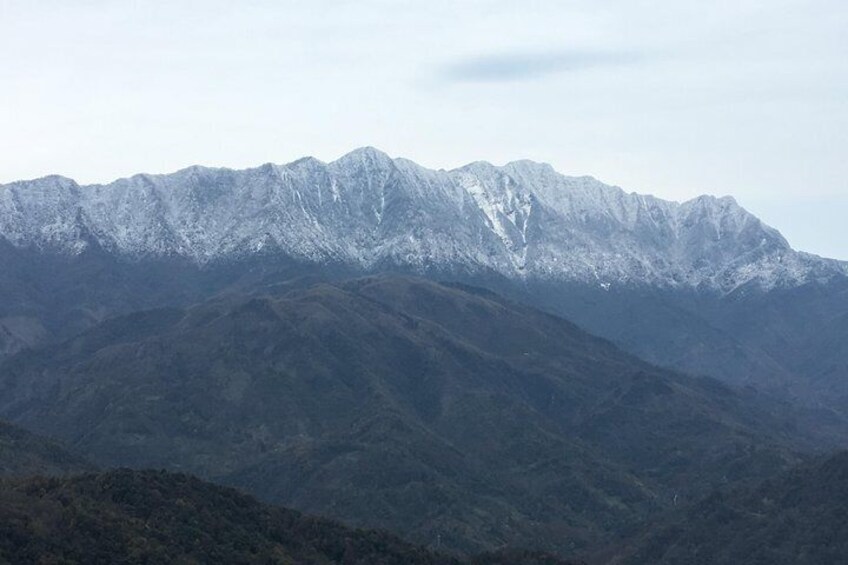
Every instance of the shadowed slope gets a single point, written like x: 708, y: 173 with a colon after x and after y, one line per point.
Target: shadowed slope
x: 23, y: 453
x: 129, y: 517
x: 432, y: 410
x: 799, y: 517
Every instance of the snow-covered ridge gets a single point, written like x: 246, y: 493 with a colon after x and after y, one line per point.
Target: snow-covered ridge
x: 366, y: 209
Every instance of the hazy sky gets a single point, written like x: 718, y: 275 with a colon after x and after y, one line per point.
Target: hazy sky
x: 673, y: 98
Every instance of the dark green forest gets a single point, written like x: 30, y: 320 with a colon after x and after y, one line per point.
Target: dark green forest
x: 797, y: 518
x: 127, y: 516
x: 396, y: 420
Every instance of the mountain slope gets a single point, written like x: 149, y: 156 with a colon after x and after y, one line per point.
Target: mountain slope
x: 23, y: 454
x: 431, y: 410
x: 825, y: 359
x: 155, y: 517
x: 797, y: 518
x: 775, y: 341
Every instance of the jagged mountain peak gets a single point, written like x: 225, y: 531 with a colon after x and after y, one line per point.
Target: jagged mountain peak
x: 725, y: 200
x: 528, y: 166
x: 306, y: 162
x: 45, y: 182
x: 364, y: 155
x: 522, y: 219
x: 478, y: 166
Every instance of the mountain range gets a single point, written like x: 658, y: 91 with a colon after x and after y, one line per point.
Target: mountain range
x: 522, y: 220
x: 473, y: 359
x: 431, y: 410
x: 703, y: 286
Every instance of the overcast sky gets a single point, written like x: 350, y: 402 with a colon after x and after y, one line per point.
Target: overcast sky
x: 674, y: 98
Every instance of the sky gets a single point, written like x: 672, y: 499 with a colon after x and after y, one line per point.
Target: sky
x: 674, y: 98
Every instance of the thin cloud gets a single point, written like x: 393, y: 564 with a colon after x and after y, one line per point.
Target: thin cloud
x: 528, y: 66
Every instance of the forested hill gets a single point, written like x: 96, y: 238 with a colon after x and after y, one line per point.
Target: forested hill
x: 128, y: 516
x: 798, y: 518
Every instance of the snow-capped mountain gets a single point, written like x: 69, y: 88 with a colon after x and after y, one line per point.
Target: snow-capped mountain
x: 522, y: 220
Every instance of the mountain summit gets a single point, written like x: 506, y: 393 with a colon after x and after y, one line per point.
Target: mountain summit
x: 366, y: 210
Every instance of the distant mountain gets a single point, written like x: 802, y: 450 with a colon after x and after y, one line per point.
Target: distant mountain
x: 776, y: 341
x: 435, y: 411
x: 797, y: 518
x: 366, y: 210
x: 23, y: 453
x: 703, y: 286
x: 155, y: 517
